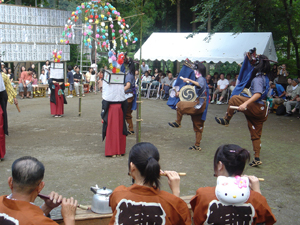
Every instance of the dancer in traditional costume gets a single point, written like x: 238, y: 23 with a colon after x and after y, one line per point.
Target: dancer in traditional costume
x: 57, y: 98
x: 114, y: 107
x: 7, y: 94
x: 253, y: 75
x: 197, y: 109
x: 130, y: 93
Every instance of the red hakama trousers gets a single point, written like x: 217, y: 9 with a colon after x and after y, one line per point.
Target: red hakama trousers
x: 58, y: 108
x: 115, y: 143
x: 2, y: 135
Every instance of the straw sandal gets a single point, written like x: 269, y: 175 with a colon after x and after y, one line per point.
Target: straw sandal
x: 175, y: 125
x: 195, y: 147
x: 255, y: 162
x: 222, y: 121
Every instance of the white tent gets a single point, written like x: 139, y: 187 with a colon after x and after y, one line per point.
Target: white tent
x: 221, y: 47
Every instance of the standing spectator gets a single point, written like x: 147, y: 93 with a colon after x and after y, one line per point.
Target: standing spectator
x: 46, y: 67
x: 273, y: 74
x: 43, y: 78
x: 33, y: 68
x: 70, y: 80
x: 282, y: 75
x: 93, y: 81
x: 25, y: 82
x: 144, y: 67
x: 222, y: 86
x: 94, y: 66
x: 100, y: 81
x: 295, y: 94
x: 210, y: 84
x: 2, y: 66
x: 289, y: 89
x: 167, y: 85
x: 77, y: 80
x: 88, y: 75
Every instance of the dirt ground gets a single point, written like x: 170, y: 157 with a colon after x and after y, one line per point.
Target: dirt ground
x: 72, y: 150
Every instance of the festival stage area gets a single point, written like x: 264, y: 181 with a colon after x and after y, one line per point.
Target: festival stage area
x: 72, y: 150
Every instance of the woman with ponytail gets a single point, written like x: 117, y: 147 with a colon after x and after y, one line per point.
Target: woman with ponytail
x: 218, y: 205
x: 144, y: 202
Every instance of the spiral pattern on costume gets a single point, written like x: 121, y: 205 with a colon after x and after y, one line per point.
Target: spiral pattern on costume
x: 188, y: 94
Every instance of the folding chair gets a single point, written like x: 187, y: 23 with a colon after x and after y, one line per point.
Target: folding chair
x: 153, y: 87
x: 144, y: 88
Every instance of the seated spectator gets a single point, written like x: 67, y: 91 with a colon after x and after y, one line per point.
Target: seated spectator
x: 144, y: 202
x: 137, y: 75
x: 88, y: 75
x: 277, y: 95
x: 211, y: 206
x: 146, y: 78
x: 167, y: 85
x: 25, y: 82
x: 25, y: 184
x: 43, y: 78
x: 297, y: 106
x: 232, y: 83
x: 228, y: 77
x: 35, y: 85
x: 289, y: 89
x: 295, y: 94
x: 215, y: 79
x: 210, y: 84
x: 222, y: 86
x: 156, y: 75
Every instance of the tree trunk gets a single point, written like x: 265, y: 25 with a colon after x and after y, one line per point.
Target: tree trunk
x: 288, y: 48
x: 293, y: 39
x: 194, y: 17
x: 178, y: 15
x: 209, y: 23
x: 18, y: 2
x: 256, y: 15
x: 178, y: 30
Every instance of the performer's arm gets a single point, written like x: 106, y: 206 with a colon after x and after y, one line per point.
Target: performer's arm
x: 127, y: 86
x: 191, y: 81
x: 254, y: 97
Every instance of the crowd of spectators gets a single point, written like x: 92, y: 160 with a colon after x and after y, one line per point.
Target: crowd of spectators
x: 283, y: 89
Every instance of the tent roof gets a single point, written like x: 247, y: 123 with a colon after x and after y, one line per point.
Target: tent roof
x: 221, y: 47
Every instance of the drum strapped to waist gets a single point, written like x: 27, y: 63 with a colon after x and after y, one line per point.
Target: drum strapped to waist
x: 188, y: 93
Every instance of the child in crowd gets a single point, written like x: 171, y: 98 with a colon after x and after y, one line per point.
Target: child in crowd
x: 213, y: 205
x: 70, y: 80
x: 35, y: 85
x: 43, y: 77
x: 100, y: 81
x: 93, y: 81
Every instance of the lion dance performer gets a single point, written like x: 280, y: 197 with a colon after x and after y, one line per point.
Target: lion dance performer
x: 7, y: 94
x: 252, y: 88
x: 197, y: 109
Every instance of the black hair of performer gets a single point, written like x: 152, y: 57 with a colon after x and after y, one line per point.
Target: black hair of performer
x: 230, y: 161
x: 144, y: 202
x: 251, y: 103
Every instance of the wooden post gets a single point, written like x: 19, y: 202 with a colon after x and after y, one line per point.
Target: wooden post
x: 79, y: 110
x: 139, y: 104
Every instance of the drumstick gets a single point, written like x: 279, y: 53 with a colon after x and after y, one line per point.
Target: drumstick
x: 183, y: 78
x: 261, y: 179
x: 17, y: 105
x: 79, y: 205
x: 180, y: 174
x: 235, y: 107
